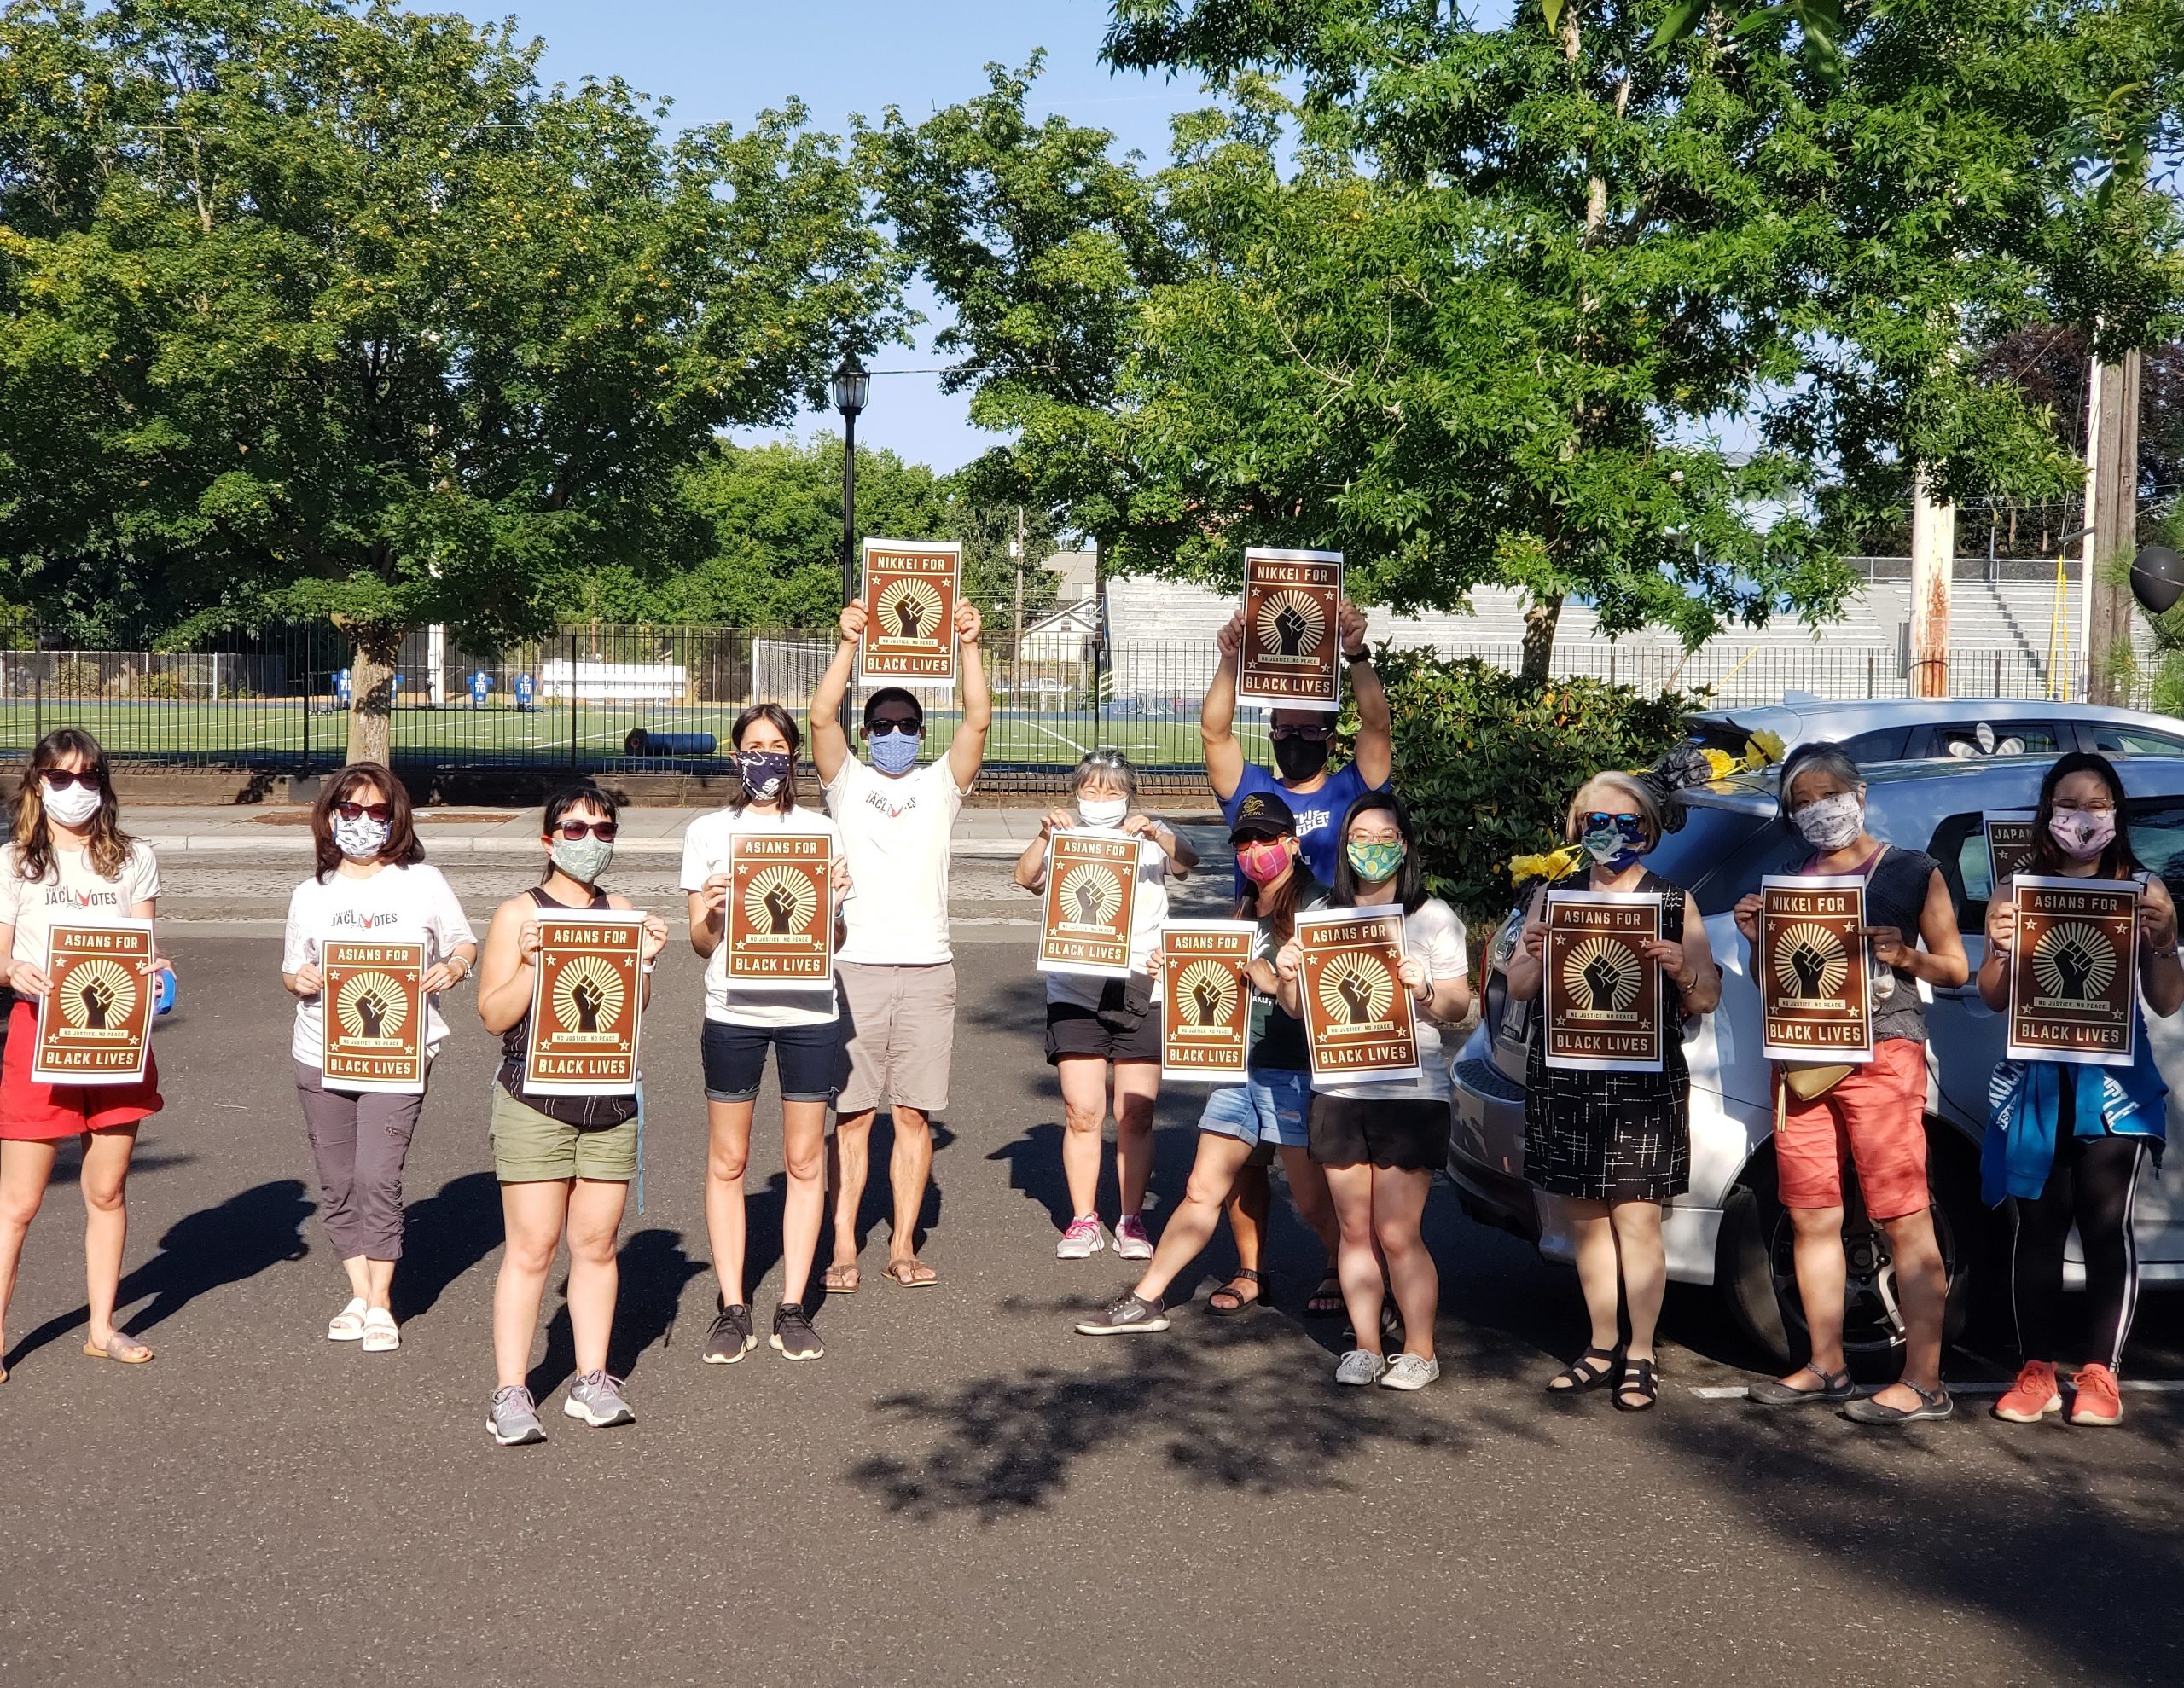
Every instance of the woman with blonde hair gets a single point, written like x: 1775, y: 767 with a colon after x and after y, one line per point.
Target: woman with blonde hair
x: 1616, y: 1147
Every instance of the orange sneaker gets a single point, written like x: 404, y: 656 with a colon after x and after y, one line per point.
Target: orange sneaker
x: 2094, y: 1399
x: 2033, y: 1396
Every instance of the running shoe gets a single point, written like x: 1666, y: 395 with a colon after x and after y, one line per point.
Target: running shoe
x: 1358, y: 1368
x: 1126, y: 1312
x: 794, y: 1335
x: 512, y: 1420
x: 1130, y: 1241
x: 1409, y: 1372
x: 731, y: 1337
x: 2033, y: 1396
x: 1082, y: 1240
x: 596, y: 1399
x: 2094, y: 1397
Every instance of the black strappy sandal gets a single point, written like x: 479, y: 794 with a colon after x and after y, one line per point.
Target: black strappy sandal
x: 1242, y: 1275
x: 1577, y: 1377
x: 1640, y: 1387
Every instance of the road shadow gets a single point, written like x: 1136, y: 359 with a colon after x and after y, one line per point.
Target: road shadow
x: 443, y: 1237
x: 877, y: 1206
x: 1034, y: 1163
x: 655, y: 1267
x: 249, y: 1233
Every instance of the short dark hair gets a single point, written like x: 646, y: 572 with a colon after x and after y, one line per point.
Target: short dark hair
x: 783, y: 722
x: 1410, y: 878
x: 893, y: 694
x: 403, y: 847
x: 577, y: 794
x: 2117, y: 861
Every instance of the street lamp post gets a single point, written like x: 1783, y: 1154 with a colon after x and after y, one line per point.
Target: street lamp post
x: 849, y: 387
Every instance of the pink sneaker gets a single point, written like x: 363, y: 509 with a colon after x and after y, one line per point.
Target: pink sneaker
x: 1130, y: 1241
x: 1082, y: 1240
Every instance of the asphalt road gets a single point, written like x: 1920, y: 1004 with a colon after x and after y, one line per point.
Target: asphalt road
x: 963, y: 1490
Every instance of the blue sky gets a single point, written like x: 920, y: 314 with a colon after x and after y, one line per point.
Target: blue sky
x: 727, y: 60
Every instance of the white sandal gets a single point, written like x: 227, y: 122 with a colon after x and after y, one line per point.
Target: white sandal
x: 348, y: 1324
x: 382, y: 1334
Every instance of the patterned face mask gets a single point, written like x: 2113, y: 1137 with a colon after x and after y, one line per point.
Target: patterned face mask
x: 361, y: 839
x: 762, y: 772
x: 1617, y: 844
x: 1832, y: 823
x: 2084, y: 833
x: 1263, y: 862
x: 583, y: 860
x: 1375, y: 863
x: 894, y: 752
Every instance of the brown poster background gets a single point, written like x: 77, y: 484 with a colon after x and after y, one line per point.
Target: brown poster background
x: 586, y: 1005
x: 1205, y: 1000
x: 910, y: 588
x: 1291, y: 656
x: 1815, y: 990
x: 781, y: 911
x: 95, y: 1025
x: 1601, y: 992
x: 373, y: 1000
x: 1091, y: 893
x: 2074, y: 971
x: 2009, y: 843
x: 1358, y: 1015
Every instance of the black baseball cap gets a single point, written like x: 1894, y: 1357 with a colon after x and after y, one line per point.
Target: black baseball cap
x: 1263, y: 814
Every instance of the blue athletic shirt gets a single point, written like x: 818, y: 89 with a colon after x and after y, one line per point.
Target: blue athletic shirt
x: 1319, y: 813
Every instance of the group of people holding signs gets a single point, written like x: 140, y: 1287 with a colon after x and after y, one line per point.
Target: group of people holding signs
x: 1312, y: 1018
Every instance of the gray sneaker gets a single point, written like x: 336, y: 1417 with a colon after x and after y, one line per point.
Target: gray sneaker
x: 596, y: 1399
x: 1359, y: 1368
x: 1409, y: 1372
x: 731, y: 1337
x: 513, y: 1419
x: 794, y: 1335
x: 1126, y: 1312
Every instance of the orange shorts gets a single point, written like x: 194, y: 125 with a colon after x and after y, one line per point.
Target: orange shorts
x: 1877, y: 1117
x: 30, y: 1112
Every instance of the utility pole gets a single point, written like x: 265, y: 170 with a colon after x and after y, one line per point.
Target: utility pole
x: 1933, y: 562
x: 1019, y: 582
x: 2111, y: 514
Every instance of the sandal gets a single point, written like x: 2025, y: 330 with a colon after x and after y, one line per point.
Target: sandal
x: 121, y: 1347
x: 1577, y: 1377
x: 1325, y: 1302
x: 1640, y: 1387
x: 842, y: 1278
x: 382, y: 1334
x: 1238, y: 1300
x: 348, y: 1324
x: 912, y: 1274
x: 1933, y: 1404
x: 1834, y: 1389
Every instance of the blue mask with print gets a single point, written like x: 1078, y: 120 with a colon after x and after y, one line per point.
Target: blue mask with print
x: 1616, y: 845
x: 894, y: 752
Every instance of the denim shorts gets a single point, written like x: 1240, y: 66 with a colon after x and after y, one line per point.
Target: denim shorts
x: 1266, y: 1108
x: 812, y: 1061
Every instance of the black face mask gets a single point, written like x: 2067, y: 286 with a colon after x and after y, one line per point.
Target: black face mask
x: 1300, y: 759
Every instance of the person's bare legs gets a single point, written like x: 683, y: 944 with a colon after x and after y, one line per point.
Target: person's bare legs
x: 1249, y: 1207
x: 1356, y: 1261
x: 1307, y: 1192
x: 728, y: 1151
x: 1137, y: 1086
x: 1645, y: 1270
x: 105, y: 1179
x: 25, y: 1170
x: 1922, y: 1291
x: 849, y: 1158
x: 1822, y: 1276
x: 1592, y: 1236
x: 1190, y: 1226
x: 1083, y: 1112
x: 595, y: 1222
x: 532, y: 1214
x: 910, y: 1170
x: 804, y: 1208
x: 1398, y: 1210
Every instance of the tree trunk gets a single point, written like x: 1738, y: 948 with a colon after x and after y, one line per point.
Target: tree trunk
x: 376, y: 650
x: 1539, y: 641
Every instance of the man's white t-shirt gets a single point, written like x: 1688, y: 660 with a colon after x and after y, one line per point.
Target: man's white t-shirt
x: 708, y: 847
x: 1431, y: 933
x: 1148, y: 913
x: 895, y: 834
x: 71, y: 891
x: 396, y: 905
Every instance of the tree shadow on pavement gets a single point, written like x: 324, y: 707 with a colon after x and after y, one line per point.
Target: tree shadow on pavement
x: 655, y: 1267
x: 443, y: 1237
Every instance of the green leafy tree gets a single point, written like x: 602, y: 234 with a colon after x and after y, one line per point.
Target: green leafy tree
x: 315, y: 308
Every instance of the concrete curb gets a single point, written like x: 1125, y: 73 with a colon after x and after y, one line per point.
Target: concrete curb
x: 229, y: 847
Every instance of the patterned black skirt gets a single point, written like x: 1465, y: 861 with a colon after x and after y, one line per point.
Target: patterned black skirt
x: 1608, y: 1136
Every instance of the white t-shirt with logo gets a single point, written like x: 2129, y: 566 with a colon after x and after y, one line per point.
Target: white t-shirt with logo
x: 896, y: 833
x: 1431, y: 933
x: 1148, y: 913
x: 708, y: 847
x: 396, y: 905
x: 71, y: 891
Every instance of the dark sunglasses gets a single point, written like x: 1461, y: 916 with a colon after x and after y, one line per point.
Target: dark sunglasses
x: 1600, y: 817
x: 360, y: 811
x: 61, y: 778
x: 574, y: 830
x: 1310, y: 735
x: 880, y: 729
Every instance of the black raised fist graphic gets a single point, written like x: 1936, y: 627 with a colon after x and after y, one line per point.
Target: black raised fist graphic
x: 98, y: 1002
x: 1809, y: 964
x: 1088, y: 903
x: 371, y: 1009
x: 2074, y: 965
x: 1289, y: 627
x: 1602, y: 976
x: 1207, y: 995
x: 780, y: 907
x: 906, y: 616
x: 1357, y: 997
x: 589, y: 1002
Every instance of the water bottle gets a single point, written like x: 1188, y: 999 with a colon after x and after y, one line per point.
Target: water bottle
x: 164, y: 1000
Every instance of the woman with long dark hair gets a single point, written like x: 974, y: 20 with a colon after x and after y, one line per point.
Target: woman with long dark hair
x: 2066, y: 1142
x: 564, y: 1162
x: 370, y: 880
x: 802, y: 1028
x: 69, y: 859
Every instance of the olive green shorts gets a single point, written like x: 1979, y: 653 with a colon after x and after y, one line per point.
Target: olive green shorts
x: 529, y: 1146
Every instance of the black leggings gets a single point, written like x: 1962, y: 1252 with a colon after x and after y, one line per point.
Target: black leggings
x: 2093, y: 1185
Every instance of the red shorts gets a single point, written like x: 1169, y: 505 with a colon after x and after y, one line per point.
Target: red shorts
x: 32, y: 1112
x: 1878, y: 1118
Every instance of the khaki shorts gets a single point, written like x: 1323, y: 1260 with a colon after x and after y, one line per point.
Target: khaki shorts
x: 901, y: 1035
x: 530, y: 1147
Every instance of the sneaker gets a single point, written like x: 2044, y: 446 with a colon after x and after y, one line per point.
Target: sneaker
x: 1130, y: 1241
x: 596, y: 1399
x: 2033, y: 1396
x: 513, y: 1419
x: 1127, y: 1312
x: 1082, y: 1240
x: 2094, y: 1397
x: 1409, y: 1372
x: 794, y: 1335
x: 731, y: 1337
x: 1358, y: 1368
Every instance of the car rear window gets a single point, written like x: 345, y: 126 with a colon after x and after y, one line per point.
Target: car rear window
x: 2112, y: 740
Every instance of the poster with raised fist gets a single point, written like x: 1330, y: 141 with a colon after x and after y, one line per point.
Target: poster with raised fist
x: 1601, y: 993
x: 2009, y: 847
x: 1091, y: 897
x: 2074, y: 969
x: 1291, y: 657
x: 1359, y: 1019
x: 1206, y: 1000
x: 95, y: 1025
x: 586, y: 1005
x: 910, y: 588
x: 374, y: 999
x: 1815, y: 992
x: 781, y: 911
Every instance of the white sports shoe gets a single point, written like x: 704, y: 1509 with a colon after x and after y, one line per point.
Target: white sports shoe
x: 1358, y: 1368
x: 1082, y: 1240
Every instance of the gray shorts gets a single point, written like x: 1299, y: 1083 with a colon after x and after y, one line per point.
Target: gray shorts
x: 901, y: 1035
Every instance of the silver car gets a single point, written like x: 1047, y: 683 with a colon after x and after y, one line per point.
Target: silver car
x: 1916, y: 729
x: 1729, y: 1230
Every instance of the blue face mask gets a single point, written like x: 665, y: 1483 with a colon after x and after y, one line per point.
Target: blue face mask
x: 894, y: 752
x: 1616, y: 845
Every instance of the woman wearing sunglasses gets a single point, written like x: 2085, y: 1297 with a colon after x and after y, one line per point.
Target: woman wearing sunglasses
x: 1615, y: 1146
x: 802, y: 1028
x: 370, y: 882
x: 564, y: 1162
x: 69, y: 859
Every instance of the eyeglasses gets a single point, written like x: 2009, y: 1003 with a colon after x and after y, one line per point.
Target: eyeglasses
x: 1600, y: 818
x: 1310, y: 735
x: 880, y: 729
x: 2096, y: 807
x: 574, y: 830
x: 61, y: 778
x: 364, y: 811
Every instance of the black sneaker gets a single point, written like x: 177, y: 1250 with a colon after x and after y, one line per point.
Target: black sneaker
x: 1126, y: 1312
x: 793, y: 1332
x: 731, y: 1337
